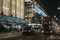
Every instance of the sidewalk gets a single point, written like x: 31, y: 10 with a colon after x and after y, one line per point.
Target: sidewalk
x: 10, y: 35
x: 54, y: 37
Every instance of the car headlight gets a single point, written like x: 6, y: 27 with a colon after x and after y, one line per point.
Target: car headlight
x: 29, y: 30
x: 51, y: 31
x: 42, y: 31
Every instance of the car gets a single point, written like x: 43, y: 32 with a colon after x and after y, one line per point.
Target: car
x: 28, y: 31
x: 50, y: 31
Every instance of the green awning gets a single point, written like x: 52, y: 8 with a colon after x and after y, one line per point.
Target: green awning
x: 7, y: 18
x: 1, y: 18
x: 12, y: 19
x: 19, y: 20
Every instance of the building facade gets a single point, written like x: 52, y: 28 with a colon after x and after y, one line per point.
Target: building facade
x: 29, y: 10
x: 12, y: 8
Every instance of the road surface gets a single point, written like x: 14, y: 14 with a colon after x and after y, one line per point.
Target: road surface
x: 38, y: 36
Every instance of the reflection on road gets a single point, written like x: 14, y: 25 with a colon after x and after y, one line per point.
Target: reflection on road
x: 34, y: 37
x: 38, y: 36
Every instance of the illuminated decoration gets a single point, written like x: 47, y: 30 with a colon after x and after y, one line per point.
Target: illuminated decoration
x: 27, y: 0
x: 54, y: 16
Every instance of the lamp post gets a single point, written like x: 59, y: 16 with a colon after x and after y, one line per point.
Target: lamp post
x: 58, y: 8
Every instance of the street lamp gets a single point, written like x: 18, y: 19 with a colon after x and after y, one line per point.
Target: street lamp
x: 58, y: 8
x: 58, y: 14
x: 55, y: 16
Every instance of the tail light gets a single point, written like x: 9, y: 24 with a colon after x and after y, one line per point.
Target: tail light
x: 25, y: 30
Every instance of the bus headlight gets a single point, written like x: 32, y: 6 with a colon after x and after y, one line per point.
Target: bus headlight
x: 51, y: 31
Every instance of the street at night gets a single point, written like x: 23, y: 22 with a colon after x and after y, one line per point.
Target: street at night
x: 29, y: 19
x: 38, y: 36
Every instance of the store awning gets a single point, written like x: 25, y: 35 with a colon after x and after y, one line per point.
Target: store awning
x: 12, y: 19
x: 7, y: 18
x: 22, y: 21
x: 1, y: 18
x: 19, y: 20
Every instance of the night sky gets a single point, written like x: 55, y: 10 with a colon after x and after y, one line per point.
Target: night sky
x: 51, y: 6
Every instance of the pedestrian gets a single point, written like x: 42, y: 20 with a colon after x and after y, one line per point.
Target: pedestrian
x: 11, y: 27
x: 19, y: 27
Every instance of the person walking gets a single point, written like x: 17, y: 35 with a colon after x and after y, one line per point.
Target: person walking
x: 19, y: 28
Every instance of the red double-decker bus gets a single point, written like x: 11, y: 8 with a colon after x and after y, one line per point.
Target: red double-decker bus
x: 47, y: 24
x: 47, y: 19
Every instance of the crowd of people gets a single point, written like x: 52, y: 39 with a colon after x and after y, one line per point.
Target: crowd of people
x: 10, y: 27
